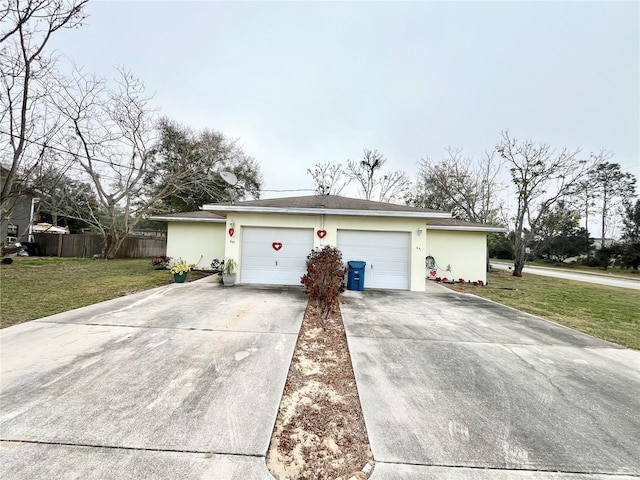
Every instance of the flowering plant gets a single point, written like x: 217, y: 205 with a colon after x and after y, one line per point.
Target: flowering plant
x: 180, y: 267
x: 161, y: 261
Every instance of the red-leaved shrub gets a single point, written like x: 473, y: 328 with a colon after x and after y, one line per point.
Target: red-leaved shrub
x: 324, y: 280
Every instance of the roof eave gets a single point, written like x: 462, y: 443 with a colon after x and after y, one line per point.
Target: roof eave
x: 325, y: 211
x: 490, y: 229
x: 187, y: 219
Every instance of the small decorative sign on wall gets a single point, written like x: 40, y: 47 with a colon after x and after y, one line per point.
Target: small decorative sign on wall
x: 276, y: 245
x: 321, y: 233
x: 232, y: 231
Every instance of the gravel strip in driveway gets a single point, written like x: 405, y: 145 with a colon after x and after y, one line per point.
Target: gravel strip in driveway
x: 455, y: 386
x: 184, y: 378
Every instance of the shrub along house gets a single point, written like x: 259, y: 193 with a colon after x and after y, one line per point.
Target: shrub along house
x: 270, y: 239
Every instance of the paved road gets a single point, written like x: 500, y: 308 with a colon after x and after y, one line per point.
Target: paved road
x: 183, y: 381
x: 453, y: 386
x: 579, y: 277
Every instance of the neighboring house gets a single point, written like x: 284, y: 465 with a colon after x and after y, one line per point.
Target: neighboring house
x: 15, y: 219
x: 270, y: 239
x: 15, y: 214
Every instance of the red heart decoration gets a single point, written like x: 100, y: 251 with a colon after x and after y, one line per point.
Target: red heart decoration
x: 321, y: 233
x: 232, y: 231
x: 276, y: 246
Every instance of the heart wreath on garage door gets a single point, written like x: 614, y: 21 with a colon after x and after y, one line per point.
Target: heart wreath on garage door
x: 276, y: 246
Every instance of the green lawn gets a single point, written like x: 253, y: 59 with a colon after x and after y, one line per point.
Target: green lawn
x: 32, y: 288
x: 607, y: 312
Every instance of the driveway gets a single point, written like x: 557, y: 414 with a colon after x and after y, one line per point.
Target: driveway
x: 453, y: 386
x: 182, y: 381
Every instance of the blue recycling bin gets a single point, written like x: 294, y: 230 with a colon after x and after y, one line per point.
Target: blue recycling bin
x: 355, y: 278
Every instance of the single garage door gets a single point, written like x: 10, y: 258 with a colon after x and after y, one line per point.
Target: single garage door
x: 386, y: 254
x: 274, y: 256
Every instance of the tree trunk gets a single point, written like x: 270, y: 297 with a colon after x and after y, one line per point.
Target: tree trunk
x: 517, y: 268
x: 518, y: 256
x: 586, y: 227
x: 112, y: 244
x: 604, y: 216
x: 518, y: 259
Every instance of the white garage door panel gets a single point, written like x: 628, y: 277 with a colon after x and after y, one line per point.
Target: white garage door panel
x: 262, y: 264
x: 386, y: 254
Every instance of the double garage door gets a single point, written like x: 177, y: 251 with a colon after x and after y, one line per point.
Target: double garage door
x: 277, y: 256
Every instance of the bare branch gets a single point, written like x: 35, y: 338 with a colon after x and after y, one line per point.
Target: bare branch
x: 27, y: 73
x: 329, y: 178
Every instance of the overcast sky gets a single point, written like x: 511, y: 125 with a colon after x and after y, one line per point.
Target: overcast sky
x: 306, y: 82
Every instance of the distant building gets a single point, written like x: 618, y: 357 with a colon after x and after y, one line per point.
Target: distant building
x: 15, y: 215
x: 597, y: 242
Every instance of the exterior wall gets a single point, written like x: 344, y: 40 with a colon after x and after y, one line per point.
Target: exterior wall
x: 196, y: 242
x: 465, y: 252
x: 332, y: 224
x: 20, y: 211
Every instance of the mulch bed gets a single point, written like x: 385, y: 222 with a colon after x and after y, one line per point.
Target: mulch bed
x: 197, y: 275
x: 320, y: 431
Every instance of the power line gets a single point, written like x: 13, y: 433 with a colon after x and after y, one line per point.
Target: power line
x: 60, y: 150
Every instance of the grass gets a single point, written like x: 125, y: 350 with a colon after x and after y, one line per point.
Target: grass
x: 609, y: 313
x: 610, y: 271
x: 32, y: 288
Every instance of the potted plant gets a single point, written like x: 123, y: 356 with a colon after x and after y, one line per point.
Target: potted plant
x: 229, y: 272
x: 180, y: 269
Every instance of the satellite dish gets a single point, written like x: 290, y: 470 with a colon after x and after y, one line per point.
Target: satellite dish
x: 229, y: 177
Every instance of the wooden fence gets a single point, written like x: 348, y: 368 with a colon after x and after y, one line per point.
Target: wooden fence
x: 88, y: 245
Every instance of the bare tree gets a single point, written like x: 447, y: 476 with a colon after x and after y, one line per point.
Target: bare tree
x: 393, y: 186
x: 542, y: 177
x: 28, y: 125
x: 390, y: 187
x: 466, y: 188
x: 329, y: 178
x: 111, y: 143
x: 114, y: 144
x: 364, y: 171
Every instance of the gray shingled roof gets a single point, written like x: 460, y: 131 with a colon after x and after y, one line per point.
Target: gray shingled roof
x: 331, y: 202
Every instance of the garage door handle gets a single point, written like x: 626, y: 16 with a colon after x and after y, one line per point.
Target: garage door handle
x: 276, y: 263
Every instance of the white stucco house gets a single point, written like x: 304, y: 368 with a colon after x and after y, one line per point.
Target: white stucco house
x: 270, y: 239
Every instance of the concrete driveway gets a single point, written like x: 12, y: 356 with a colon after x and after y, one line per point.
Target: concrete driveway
x: 182, y: 381
x: 456, y: 387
